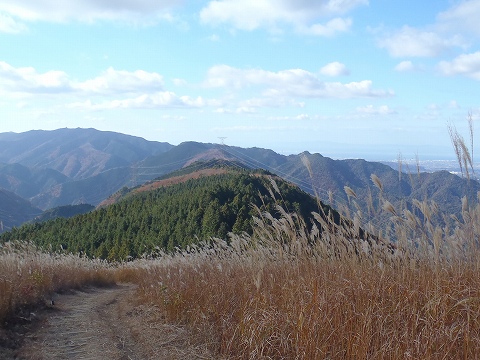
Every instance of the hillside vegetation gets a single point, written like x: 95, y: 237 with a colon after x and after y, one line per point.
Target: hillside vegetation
x: 168, y: 217
x: 291, y: 292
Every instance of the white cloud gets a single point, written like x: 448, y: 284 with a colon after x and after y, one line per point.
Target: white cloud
x: 113, y: 89
x: 289, y: 83
x: 372, y: 110
x: 334, y: 69
x: 270, y: 14
x: 412, y: 42
x: 453, y: 28
x: 462, y: 17
x: 299, y: 117
x: 453, y: 104
x: 164, y: 99
x: 405, y: 66
x: 331, y: 28
x: 214, y: 38
x: 238, y: 110
x: 179, y: 82
x: 27, y: 80
x: 87, y: 10
x: 170, y: 117
x: 409, y: 66
x: 273, y: 102
x: 465, y: 64
x: 9, y: 25
x: 120, y: 81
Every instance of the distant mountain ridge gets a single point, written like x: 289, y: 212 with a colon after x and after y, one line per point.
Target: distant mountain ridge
x: 76, y: 153
x: 56, y: 168
x: 66, y: 211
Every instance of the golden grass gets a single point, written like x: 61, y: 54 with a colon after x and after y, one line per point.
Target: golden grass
x: 290, y: 293
x: 29, y: 276
x: 317, y: 310
x: 286, y: 293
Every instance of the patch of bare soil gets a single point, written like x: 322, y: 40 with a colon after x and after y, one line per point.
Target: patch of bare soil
x: 105, y: 323
x: 179, y: 179
x: 152, y: 185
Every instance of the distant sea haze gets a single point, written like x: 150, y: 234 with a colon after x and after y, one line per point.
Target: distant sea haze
x: 429, y: 165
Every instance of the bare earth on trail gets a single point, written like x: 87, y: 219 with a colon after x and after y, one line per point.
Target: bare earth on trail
x: 106, y: 323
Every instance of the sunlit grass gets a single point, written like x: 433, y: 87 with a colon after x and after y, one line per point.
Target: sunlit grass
x: 30, y: 276
x: 291, y: 291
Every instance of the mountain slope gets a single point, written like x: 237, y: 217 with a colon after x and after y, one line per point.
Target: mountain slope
x: 66, y: 211
x: 14, y: 210
x: 29, y: 182
x: 170, y: 216
x: 76, y: 153
x: 329, y: 175
x: 91, y: 190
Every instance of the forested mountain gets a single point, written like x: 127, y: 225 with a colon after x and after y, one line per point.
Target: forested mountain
x: 170, y: 216
x: 193, y: 171
x: 77, y: 166
x: 325, y: 177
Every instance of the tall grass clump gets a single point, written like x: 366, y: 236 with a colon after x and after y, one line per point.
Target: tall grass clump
x: 29, y: 276
x: 288, y: 292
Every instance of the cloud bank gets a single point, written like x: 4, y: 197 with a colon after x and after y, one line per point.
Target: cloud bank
x: 302, y: 15
x: 291, y: 83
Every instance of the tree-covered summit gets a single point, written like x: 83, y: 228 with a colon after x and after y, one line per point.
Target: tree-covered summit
x: 169, y: 216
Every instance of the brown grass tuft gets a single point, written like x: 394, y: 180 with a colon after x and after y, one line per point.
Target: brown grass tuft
x: 290, y: 293
x: 29, y: 276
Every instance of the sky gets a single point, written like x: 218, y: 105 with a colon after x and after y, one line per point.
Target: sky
x: 373, y: 79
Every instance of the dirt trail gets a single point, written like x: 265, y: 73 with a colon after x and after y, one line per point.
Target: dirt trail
x: 105, y: 323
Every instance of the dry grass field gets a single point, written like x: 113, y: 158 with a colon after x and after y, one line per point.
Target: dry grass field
x: 29, y: 276
x: 290, y: 293
x: 336, y: 299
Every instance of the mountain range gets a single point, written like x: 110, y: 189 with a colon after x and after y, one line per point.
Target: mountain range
x: 48, y: 169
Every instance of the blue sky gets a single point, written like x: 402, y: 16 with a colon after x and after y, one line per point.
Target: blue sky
x: 346, y: 78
